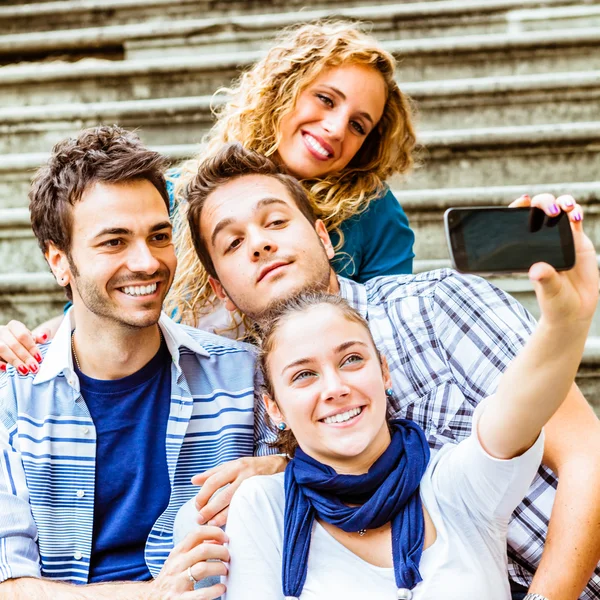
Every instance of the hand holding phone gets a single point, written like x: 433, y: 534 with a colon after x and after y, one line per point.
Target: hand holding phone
x: 501, y: 240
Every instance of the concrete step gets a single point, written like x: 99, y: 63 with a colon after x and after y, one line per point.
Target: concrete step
x: 483, y: 102
x: 226, y: 33
x: 34, y: 297
x: 48, y: 15
x: 491, y: 55
x: 552, y: 154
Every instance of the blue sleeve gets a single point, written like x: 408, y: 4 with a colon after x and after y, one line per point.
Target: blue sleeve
x: 377, y: 242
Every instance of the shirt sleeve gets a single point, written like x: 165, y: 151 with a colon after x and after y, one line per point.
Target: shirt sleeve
x: 255, y: 531
x: 490, y: 487
x: 480, y: 330
x: 387, y: 240
x: 19, y: 553
x: 264, y: 432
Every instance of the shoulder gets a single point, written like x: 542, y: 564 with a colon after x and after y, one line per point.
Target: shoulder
x: 262, y: 492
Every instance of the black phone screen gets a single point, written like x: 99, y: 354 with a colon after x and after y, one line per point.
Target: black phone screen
x: 508, y: 239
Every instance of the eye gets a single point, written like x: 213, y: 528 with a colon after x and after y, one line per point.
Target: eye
x: 234, y: 244
x: 277, y: 223
x: 302, y: 376
x: 352, y: 360
x: 357, y: 127
x: 325, y: 100
x: 114, y: 243
x: 161, y: 237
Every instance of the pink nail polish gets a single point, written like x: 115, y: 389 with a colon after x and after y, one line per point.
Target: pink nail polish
x: 554, y: 209
x: 23, y: 370
x: 577, y: 217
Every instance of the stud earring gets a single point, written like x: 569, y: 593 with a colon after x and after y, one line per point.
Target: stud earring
x: 389, y: 392
x: 281, y: 426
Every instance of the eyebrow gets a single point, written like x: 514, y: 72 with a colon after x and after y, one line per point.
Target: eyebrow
x: 223, y: 223
x: 337, y: 350
x: 341, y: 94
x: 124, y: 231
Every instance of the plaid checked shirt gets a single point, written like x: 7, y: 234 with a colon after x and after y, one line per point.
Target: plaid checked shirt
x: 447, y: 339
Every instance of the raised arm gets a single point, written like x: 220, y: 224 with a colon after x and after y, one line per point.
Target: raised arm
x: 538, y: 380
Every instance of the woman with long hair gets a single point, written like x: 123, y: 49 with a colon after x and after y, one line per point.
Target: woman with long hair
x: 325, y: 103
x: 363, y: 510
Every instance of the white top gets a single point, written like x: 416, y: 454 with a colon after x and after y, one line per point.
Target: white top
x: 469, y: 496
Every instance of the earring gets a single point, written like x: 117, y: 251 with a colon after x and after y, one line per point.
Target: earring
x: 281, y: 426
x: 389, y: 392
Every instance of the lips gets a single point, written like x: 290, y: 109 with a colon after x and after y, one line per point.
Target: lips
x: 271, y: 267
x: 317, y: 146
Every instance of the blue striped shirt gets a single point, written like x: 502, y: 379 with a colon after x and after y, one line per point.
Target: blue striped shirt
x: 48, y: 448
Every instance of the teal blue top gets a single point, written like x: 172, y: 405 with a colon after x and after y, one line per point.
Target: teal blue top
x: 378, y: 241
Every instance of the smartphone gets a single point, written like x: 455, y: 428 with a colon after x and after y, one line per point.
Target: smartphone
x: 499, y: 240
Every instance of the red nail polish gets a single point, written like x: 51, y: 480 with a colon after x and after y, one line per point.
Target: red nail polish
x: 33, y: 368
x: 2, y: 367
x: 23, y: 370
x: 45, y: 337
x: 38, y: 357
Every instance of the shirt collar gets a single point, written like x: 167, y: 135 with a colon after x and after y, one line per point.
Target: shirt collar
x: 355, y: 294
x: 59, y: 358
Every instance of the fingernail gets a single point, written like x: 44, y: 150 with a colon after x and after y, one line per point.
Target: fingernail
x: 554, y: 209
x: 569, y: 203
x: 33, y: 368
x: 44, y: 337
x: 38, y: 357
x: 525, y: 197
x: 23, y: 370
x: 577, y: 216
x: 200, y: 518
x: 2, y: 367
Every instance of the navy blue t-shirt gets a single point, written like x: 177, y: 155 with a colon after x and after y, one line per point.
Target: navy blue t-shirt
x: 132, y: 480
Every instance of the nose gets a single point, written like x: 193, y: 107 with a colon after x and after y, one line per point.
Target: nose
x: 335, y: 124
x: 334, y: 386
x: 140, y: 259
x: 261, y: 245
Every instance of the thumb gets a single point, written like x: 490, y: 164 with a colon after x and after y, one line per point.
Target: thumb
x: 546, y: 281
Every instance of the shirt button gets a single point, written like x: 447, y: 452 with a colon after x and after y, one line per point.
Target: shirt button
x: 77, y: 556
x: 80, y: 493
x: 86, y: 430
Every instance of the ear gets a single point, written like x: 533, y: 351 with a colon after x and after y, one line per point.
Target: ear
x: 385, y: 370
x: 325, y: 239
x: 272, y: 408
x: 220, y: 293
x: 59, y: 265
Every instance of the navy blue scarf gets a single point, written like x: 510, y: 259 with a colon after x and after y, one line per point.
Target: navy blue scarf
x: 388, y: 492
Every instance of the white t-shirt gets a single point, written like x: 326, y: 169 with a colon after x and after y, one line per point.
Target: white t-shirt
x: 469, y: 495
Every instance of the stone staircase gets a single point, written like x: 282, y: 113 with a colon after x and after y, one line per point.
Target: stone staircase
x: 508, y: 95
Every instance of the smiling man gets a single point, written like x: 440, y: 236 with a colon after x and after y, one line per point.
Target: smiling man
x: 98, y: 446
x: 447, y: 339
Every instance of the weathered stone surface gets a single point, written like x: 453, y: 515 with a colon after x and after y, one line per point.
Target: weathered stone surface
x: 470, y: 103
x: 490, y: 55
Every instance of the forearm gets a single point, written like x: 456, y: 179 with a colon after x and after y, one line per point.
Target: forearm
x: 532, y: 389
x: 42, y: 589
x: 572, y: 548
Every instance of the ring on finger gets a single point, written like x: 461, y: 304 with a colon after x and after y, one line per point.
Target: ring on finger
x: 192, y: 579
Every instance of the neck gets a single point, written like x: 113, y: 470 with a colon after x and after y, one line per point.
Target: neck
x: 110, y: 350
x: 334, y: 284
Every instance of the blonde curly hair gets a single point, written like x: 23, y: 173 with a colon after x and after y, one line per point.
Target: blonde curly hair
x: 259, y: 100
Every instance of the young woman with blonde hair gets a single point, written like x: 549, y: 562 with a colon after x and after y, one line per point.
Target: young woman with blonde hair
x: 325, y: 103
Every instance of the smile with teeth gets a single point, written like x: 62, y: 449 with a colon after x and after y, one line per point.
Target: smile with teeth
x: 140, y: 290
x: 343, y: 417
x: 310, y: 140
